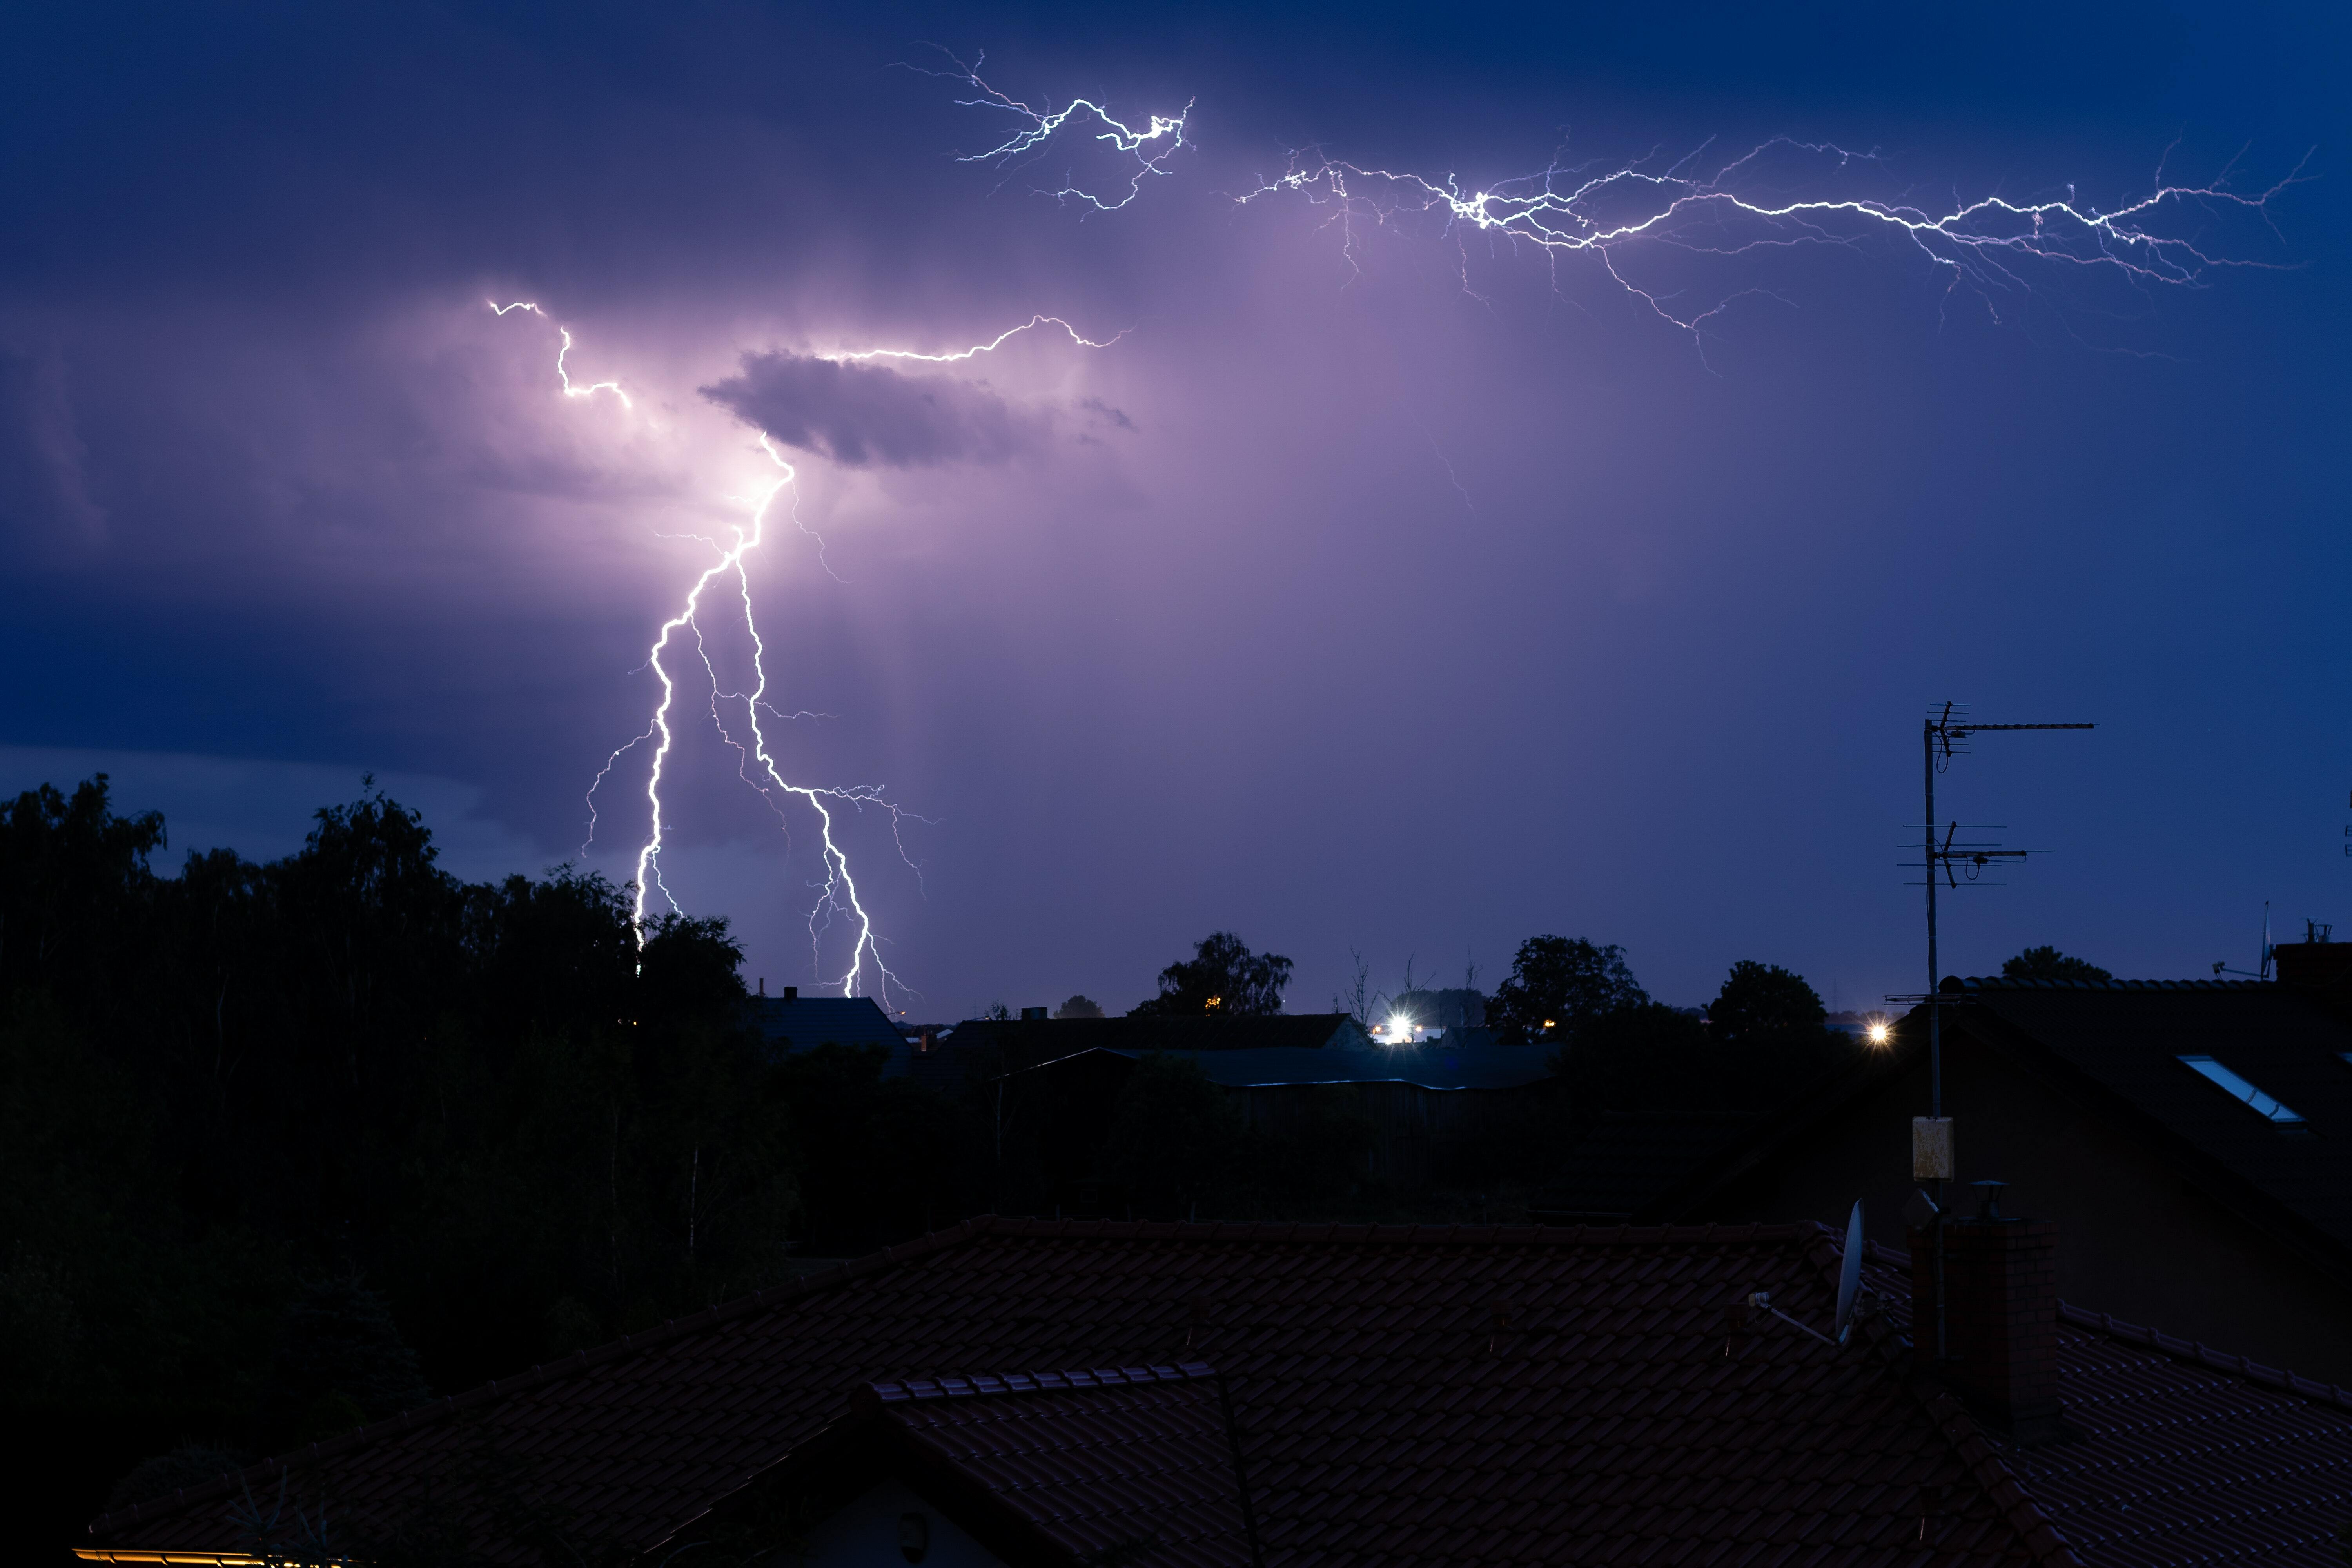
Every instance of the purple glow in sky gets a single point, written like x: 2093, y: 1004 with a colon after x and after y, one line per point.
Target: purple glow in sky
x: 1425, y: 561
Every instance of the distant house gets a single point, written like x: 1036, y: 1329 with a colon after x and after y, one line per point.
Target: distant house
x: 1075, y: 1394
x: 2194, y: 1136
x: 1418, y: 1099
x: 1025, y: 1041
x: 793, y: 1022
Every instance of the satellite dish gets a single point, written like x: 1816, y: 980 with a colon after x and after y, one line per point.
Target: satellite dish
x: 1850, y: 1273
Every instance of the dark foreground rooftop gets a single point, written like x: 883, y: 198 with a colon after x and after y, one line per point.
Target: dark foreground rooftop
x: 1406, y: 1396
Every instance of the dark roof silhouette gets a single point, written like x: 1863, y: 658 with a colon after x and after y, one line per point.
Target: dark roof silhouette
x: 2125, y: 1039
x: 2116, y: 1045
x: 1136, y: 1463
x: 1434, y: 1066
x: 1407, y: 1395
x: 1024, y: 1042
x: 797, y: 1023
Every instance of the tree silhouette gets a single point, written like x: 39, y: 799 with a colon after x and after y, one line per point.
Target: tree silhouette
x: 1558, y: 986
x: 1222, y: 979
x: 2047, y: 962
x: 1763, y: 1002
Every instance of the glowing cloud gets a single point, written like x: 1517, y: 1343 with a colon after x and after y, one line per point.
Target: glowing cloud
x: 870, y: 416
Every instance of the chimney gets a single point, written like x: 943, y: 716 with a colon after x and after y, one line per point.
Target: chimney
x: 2000, y: 1315
x: 2315, y: 965
x: 792, y: 993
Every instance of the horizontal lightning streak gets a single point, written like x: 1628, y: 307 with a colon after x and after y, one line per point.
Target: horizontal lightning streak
x: 1982, y: 242
x: 977, y: 349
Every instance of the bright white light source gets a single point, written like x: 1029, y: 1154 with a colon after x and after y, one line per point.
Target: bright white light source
x: 1878, y: 1034
x: 1400, y: 1027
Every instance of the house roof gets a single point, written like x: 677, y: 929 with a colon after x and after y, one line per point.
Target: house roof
x: 1435, y: 1066
x: 2180, y: 1454
x: 797, y: 1023
x: 2124, y: 1039
x: 1408, y: 1395
x: 2115, y: 1048
x: 1026, y: 1041
x: 1136, y: 1463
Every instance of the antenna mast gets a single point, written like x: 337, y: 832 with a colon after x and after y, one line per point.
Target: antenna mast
x: 1944, y: 736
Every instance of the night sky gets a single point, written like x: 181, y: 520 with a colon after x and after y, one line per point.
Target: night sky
x: 1386, y: 587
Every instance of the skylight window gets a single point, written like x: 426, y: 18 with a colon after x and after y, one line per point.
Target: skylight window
x: 2215, y: 1073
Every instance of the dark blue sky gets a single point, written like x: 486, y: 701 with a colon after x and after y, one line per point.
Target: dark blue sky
x: 1409, y: 604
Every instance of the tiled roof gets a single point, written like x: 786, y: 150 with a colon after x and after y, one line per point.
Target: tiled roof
x: 1410, y: 1395
x: 2180, y: 1455
x: 1135, y: 1462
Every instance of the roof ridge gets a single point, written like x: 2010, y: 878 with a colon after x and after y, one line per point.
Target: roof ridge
x: 2205, y: 1355
x: 2165, y: 1344
x: 2002, y: 1487
x: 1403, y: 1235
x: 548, y: 1371
x: 1953, y: 1421
x: 981, y: 1384
x: 2023, y: 983
x: 2006, y: 1489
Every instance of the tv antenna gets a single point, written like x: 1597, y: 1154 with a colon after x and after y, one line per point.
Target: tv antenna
x: 1943, y: 736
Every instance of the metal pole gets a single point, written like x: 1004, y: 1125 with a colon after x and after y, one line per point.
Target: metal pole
x: 1935, y: 1029
x: 1935, y: 1033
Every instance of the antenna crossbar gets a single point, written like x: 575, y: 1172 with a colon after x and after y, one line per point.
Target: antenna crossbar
x: 1944, y: 734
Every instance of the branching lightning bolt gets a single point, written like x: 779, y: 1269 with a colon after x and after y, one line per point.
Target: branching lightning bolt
x: 1151, y: 145
x: 838, y: 896
x: 1987, y: 245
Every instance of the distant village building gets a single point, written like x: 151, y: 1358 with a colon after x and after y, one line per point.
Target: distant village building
x: 1027, y: 1040
x: 1083, y: 1394
x: 1281, y: 1072
x: 793, y: 1022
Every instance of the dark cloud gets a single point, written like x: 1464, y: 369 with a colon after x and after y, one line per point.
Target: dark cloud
x: 1106, y: 413
x: 870, y: 416
x: 42, y: 496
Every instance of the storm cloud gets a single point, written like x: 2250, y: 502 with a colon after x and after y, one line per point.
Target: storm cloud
x: 42, y: 495
x: 869, y: 416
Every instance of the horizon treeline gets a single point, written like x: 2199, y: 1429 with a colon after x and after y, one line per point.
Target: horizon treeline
x: 286, y: 1147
